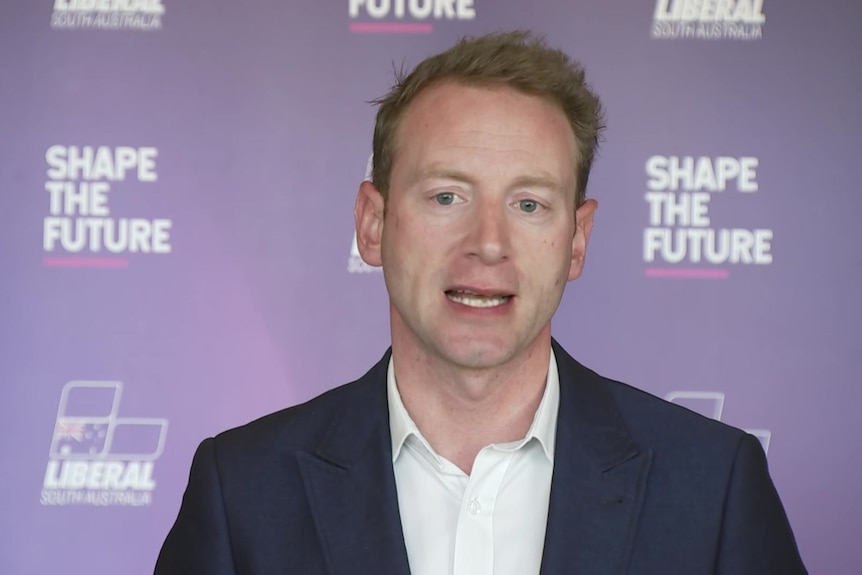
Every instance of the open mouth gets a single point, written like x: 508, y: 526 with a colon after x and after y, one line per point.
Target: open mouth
x: 473, y: 299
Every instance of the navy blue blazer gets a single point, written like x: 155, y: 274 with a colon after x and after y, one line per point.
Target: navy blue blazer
x: 639, y: 486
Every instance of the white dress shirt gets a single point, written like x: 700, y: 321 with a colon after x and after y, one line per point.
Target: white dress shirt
x: 489, y: 522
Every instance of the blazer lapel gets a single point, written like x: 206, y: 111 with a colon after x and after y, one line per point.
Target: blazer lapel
x: 350, y: 485
x: 599, y: 479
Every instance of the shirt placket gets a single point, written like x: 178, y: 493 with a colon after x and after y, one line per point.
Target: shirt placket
x: 474, y: 535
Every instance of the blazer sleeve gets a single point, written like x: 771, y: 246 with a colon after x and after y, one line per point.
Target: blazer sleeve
x: 756, y: 537
x: 199, y: 541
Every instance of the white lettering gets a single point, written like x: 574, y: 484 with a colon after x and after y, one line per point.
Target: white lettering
x: 653, y: 240
x: 112, y: 475
x: 147, y: 164
x: 55, y: 189
x: 421, y: 9
x: 96, y: 475
x: 656, y: 169
x: 724, y: 11
x: 102, y: 163
x: 686, y: 209
x: 56, y: 158
x: 704, y: 177
x: 724, y: 246
x: 444, y: 8
x: 417, y: 9
x: 76, y: 476
x: 142, y: 6
x: 50, y: 481
x: 702, y: 173
x: 708, y: 11
x: 691, y: 10
x: 748, y: 175
x: 726, y: 168
x: 98, y: 204
x: 161, y: 236
x: 700, y: 209
x: 51, y: 233
x: 465, y: 9
x: 114, y: 235
x: 378, y: 8
x: 126, y: 158
x: 662, y: 11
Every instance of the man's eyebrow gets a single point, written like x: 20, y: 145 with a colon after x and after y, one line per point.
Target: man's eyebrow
x: 437, y: 173
x: 537, y: 181
x: 540, y: 180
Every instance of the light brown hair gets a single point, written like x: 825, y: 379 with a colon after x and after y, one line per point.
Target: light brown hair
x: 518, y: 60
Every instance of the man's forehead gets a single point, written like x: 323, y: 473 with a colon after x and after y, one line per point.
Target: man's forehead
x: 452, y: 90
x: 448, y: 166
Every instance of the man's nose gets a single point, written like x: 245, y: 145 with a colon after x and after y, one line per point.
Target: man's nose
x: 488, y: 234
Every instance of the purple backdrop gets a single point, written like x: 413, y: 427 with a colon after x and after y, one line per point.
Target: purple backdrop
x: 177, y: 185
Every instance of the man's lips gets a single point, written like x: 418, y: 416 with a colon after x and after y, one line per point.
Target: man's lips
x: 478, y: 298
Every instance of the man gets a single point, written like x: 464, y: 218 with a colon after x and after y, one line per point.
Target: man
x: 477, y: 445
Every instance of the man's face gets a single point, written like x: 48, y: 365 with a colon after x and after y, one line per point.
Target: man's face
x: 479, y: 235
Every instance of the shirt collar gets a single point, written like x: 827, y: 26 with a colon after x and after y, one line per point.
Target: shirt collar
x: 543, y: 428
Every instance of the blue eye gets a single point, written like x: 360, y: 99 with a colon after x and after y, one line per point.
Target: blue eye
x: 445, y: 199
x: 528, y: 206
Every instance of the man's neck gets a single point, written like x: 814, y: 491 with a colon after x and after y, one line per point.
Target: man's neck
x: 459, y: 411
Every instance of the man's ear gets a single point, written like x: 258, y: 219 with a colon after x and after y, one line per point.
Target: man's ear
x: 583, y: 226
x: 368, y: 214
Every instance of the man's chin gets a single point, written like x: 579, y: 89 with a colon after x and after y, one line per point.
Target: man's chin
x: 478, y: 354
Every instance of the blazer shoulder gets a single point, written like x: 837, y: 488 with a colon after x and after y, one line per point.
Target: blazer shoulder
x: 301, y: 427
x: 656, y: 423
x: 652, y: 422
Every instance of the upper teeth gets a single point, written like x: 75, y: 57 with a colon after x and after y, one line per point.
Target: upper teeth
x: 476, y: 301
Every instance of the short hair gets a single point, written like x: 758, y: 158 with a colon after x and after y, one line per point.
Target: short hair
x: 518, y: 60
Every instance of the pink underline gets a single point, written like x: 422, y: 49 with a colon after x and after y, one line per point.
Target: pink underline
x: 85, y: 262
x: 389, y: 28
x: 688, y: 273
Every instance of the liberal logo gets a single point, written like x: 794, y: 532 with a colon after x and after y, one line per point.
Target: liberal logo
x: 709, y: 19
x: 405, y: 16
x: 143, y: 15
x: 97, y: 457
